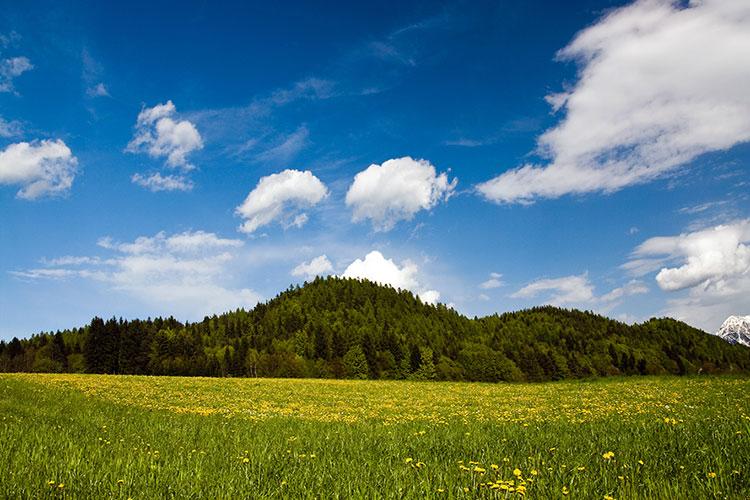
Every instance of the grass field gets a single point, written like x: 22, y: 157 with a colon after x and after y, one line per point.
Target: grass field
x: 88, y: 436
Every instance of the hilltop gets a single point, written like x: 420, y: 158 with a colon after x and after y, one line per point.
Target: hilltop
x: 344, y: 328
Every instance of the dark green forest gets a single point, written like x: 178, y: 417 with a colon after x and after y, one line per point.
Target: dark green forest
x: 343, y: 328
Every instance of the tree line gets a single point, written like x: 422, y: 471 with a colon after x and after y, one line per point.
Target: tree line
x: 343, y: 328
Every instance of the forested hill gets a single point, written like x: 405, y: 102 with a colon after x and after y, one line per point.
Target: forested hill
x: 336, y: 327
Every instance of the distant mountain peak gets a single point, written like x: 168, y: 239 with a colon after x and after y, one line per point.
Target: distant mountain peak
x: 736, y: 330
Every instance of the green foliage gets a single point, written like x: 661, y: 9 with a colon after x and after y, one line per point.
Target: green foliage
x: 356, y: 363
x: 321, y: 329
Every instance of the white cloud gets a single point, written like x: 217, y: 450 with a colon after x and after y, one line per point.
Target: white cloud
x: 318, y: 266
x: 285, y: 150
x: 281, y: 196
x: 577, y: 289
x: 709, y: 257
x: 41, y: 273
x: 494, y: 281
x: 396, y: 190
x: 98, y: 90
x: 182, y: 274
x: 568, y: 289
x: 9, y: 128
x: 157, y: 182
x: 160, y: 134
x: 712, y: 265
x: 429, y: 296
x: 633, y: 287
x: 41, y: 168
x: 70, y: 260
x: 11, y: 68
x: 659, y: 84
x: 376, y: 268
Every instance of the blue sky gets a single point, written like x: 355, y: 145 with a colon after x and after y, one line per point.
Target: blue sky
x: 187, y: 158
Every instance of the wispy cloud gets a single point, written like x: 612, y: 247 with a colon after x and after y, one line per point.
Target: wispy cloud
x: 650, y: 97
x: 185, y: 274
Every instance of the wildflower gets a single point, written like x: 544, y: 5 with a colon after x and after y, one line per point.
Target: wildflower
x: 120, y: 482
x: 479, y: 470
x: 50, y: 483
x: 494, y: 466
x: 517, y: 472
x: 534, y: 472
x: 608, y: 497
x: 581, y: 469
x: 609, y: 455
x: 711, y: 475
x: 521, y: 490
x: 61, y: 486
x: 640, y: 462
x: 565, y: 490
x: 245, y: 460
x: 408, y: 460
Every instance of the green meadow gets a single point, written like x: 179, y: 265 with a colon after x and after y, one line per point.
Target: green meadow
x: 98, y: 436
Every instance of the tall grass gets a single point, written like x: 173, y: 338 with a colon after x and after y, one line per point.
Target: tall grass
x: 66, y: 436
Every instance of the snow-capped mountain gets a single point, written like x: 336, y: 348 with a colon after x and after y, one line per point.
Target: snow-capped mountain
x: 736, y: 330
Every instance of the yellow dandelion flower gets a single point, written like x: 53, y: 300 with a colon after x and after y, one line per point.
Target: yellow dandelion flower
x: 581, y: 469
x: 711, y: 475
x: 534, y: 472
x: 517, y: 472
x: 61, y: 486
x: 608, y: 455
x: 565, y: 490
x: 408, y: 460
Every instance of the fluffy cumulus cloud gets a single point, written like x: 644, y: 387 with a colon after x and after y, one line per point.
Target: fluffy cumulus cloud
x: 376, y: 268
x: 660, y: 83
x: 160, y: 134
x: 711, y: 266
x: 41, y: 168
x: 281, y: 197
x: 156, y: 182
x: 319, y: 266
x: 396, y: 190
x: 708, y: 257
x: 577, y: 289
x: 183, y: 274
x: 10, y: 69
